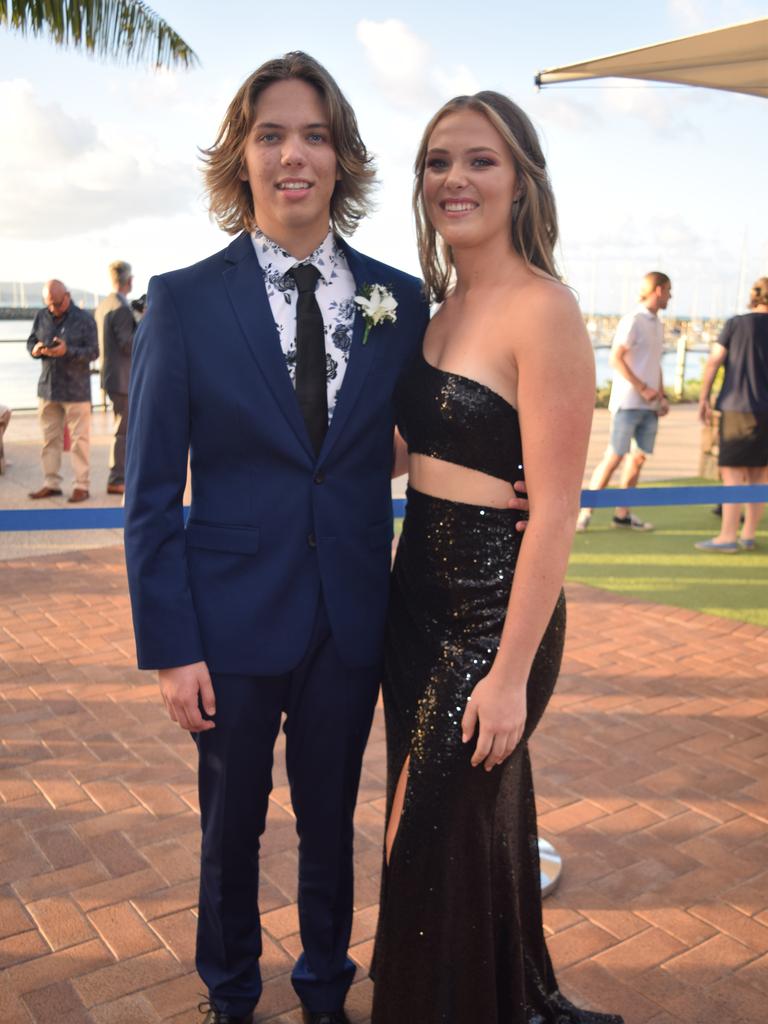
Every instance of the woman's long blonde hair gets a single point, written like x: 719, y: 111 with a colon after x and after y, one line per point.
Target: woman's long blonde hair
x: 229, y: 197
x: 533, y: 226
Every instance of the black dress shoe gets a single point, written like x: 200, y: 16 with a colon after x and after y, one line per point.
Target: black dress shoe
x: 337, y: 1017
x: 214, y: 1016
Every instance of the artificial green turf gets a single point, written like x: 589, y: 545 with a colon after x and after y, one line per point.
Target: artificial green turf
x: 663, y: 567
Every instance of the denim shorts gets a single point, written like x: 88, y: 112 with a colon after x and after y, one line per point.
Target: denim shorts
x: 639, y: 425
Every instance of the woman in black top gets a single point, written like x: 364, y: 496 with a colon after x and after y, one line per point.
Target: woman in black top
x: 503, y: 388
x: 742, y: 349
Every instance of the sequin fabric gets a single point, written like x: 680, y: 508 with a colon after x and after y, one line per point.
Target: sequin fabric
x: 460, y: 937
x: 459, y: 420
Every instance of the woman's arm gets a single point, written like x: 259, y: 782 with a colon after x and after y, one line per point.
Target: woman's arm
x: 716, y: 359
x: 399, y: 455
x: 556, y: 393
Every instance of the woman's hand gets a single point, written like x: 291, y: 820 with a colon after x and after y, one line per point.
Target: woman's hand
x: 520, y: 504
x: 497, y: 709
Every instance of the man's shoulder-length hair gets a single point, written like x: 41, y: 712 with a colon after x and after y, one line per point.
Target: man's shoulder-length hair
x: 229, y: 197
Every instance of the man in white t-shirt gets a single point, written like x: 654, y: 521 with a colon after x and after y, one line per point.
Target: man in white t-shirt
x: 637, y: 396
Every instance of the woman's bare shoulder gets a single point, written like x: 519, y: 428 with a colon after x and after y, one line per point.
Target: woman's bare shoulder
x: 547, y: 313
x: 542, y: 293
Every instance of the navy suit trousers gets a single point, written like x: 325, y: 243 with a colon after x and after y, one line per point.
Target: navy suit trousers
x: 328, y: 710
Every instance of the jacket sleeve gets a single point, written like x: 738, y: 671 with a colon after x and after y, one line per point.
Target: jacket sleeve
x: 83, y: 341
x: 165, y: 623
x: 123, y: 326
x: 33, y: 339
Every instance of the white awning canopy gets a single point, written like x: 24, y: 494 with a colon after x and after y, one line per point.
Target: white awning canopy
x: 733, y: 58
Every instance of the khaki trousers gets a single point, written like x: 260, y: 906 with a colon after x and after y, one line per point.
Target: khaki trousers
x: 77, y: 416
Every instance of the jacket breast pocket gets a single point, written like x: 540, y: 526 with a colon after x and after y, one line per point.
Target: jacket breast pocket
x: 240, y: 540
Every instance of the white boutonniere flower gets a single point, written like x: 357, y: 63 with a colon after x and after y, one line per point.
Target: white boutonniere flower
x: 378, y: 304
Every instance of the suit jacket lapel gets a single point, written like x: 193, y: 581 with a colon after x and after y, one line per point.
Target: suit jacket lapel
x: 244, y: 282
x: 360, y: 356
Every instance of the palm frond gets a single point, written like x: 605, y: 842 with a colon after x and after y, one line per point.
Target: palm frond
x: 122, y: 30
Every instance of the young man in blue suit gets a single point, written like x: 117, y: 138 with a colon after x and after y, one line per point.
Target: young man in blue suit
x: 272, y: 599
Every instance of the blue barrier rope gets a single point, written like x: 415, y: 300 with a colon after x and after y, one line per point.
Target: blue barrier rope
x: 15, y: 520
x: 635, y: 496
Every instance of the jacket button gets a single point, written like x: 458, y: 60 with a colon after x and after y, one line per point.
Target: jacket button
x: 319, y: 477
x: 312, y: 540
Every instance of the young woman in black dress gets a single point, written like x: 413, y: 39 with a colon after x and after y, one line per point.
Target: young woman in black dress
x: 742, y: 349
x: 504, y: 388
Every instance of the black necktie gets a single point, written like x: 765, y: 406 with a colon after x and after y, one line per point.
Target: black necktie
x: 310, y: 355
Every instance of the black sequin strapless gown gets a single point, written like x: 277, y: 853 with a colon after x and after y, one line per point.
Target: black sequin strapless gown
x: 460, y: 937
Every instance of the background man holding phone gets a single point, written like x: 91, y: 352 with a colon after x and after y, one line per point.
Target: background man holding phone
x: 64, y: 339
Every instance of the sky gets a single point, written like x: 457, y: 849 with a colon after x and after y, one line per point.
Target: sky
x: 100, y: 161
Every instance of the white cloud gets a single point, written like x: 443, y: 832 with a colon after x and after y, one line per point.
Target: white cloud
x: 704, y: 15
x: 65, y: 175
x: 176, y: 93
x: 662, y: 108
x: 687, y: 12
x: 458, y: 82
x: 161, y: 87
x: 557, y: 111
x: 637, y: 99
x: 42, y: 127
x: 668, y: 239
x: 404, y: 68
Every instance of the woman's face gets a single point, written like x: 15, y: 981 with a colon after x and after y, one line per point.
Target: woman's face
x: 470, y: 181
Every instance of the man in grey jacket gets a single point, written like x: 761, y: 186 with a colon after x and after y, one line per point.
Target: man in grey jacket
x: 64, y: 339
x: 116, y: 325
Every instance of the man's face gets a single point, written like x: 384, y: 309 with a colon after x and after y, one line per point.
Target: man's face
x: 57, y: 299
x: 290, y: 165
x: 664, y: 294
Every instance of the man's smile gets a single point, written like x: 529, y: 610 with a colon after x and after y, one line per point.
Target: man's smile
x: 294, y: 185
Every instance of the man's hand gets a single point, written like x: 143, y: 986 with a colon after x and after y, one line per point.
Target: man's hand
x: 663, y: 405
x: 648, y: 394
x: 520, y: 504
x: 39, y: 350
x: 59, y: 349
x: 183, y: 689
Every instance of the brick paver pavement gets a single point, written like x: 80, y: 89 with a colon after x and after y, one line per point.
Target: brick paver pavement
x: 652, y: 775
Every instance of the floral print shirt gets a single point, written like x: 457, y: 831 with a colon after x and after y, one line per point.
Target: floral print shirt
x: 335, y: 297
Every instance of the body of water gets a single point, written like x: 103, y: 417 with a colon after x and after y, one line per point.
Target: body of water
x: 19, y: 372
x: 694, y: 365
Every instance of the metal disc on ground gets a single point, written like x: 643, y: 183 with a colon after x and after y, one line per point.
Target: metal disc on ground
x: 551, y: 866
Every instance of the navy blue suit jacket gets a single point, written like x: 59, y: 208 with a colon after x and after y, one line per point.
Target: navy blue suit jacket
x: 271, y: 525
